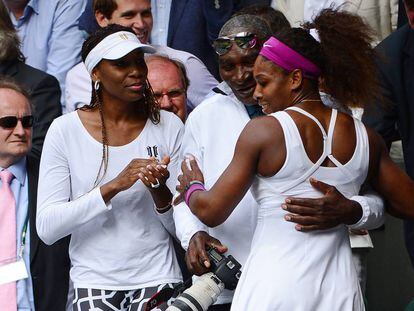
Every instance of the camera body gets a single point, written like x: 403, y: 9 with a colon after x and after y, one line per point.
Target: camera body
x: 225, y: 273
x: 226, y: 269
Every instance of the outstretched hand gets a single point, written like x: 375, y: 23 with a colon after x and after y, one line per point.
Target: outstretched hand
x: 196, y: 256
x: 187, y: 176
x: 322, y: 213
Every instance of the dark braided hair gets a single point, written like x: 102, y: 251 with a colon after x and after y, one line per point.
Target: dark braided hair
x: 344, y: 55
x: 148, y: 104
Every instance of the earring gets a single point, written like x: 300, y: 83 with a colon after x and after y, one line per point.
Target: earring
x: 96, y: 85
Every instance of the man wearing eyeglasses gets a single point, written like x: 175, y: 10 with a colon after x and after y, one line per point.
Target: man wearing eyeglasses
x: 33, y: 276
x: 168, y: 79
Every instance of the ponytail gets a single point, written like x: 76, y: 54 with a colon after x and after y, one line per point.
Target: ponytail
x: 344, y: 55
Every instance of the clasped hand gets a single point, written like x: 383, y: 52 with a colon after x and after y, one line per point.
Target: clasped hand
x: 150, y: 171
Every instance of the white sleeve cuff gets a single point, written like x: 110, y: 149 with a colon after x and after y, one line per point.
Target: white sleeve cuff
x: 167, y: 220
x: 187, y: 224
x: 365, y: 212
x: 100, y: 200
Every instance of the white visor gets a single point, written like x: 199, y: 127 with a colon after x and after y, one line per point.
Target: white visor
x: 115, y: 46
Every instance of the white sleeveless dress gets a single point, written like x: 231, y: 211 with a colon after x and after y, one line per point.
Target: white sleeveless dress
x: 288, y: 270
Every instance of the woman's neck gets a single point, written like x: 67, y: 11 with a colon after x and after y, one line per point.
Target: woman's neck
x: 119, y: 111
x: 306, y: 95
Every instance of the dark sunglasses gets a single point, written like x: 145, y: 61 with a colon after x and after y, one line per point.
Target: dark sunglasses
x: 244, y: 40
x: 11, y: 121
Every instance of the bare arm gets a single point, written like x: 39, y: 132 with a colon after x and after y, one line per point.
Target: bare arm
x: 213, y: 207
x: 389, y: 180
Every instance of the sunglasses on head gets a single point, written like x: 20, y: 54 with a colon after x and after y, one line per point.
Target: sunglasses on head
x: 244, y: 40
x: 11, y: 121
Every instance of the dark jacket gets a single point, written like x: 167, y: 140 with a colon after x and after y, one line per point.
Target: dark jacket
x: 394, y: 118
x: 49, y: 265
x: 44, y: 95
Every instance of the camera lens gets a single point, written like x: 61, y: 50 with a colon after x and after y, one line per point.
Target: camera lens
x: 200, y: 296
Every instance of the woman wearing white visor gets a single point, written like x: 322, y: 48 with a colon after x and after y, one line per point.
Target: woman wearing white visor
x: 103, y: 179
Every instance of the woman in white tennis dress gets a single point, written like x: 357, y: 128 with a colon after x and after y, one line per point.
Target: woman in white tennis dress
x: 277, y: 154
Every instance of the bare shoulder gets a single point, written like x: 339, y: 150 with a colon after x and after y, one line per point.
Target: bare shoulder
x: 263, y: 130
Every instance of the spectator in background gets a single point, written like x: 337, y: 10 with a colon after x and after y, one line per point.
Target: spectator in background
x: 43, y: 89
x: 172, y: 19
x: 169, y: 82
x: 381, y: 15
x: 46, y: 288
x: 137, y: 15
x: 205, y: 19
x: 48, y: 29
x: 394, y: 119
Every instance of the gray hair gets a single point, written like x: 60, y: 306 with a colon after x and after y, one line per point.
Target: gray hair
x: 10, y: 84
x: 246, y: 22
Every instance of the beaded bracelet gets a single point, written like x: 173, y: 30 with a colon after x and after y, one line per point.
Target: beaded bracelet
x: 194, y: 186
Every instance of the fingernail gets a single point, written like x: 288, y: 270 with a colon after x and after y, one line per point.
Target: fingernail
x: 288, y: 201
x: 163, y: 166
x: 284, y: 206
x: 206, y: 264
x: 140, y: 175
x: 299, y: 228
x: 288, y: 217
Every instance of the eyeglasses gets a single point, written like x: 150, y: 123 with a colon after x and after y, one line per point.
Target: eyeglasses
x: 10, y: 122
x: 171, y: 94
x: 244, y: 40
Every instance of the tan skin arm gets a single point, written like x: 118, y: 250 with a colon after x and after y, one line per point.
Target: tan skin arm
x: 213, y: 207
x: 389, y: 180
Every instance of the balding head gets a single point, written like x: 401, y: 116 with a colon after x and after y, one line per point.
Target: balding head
x: 169, y: 82
x: 248, y: 23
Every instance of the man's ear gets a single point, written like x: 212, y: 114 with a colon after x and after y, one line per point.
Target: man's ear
x: 101, y: 19
x: 296, y: 79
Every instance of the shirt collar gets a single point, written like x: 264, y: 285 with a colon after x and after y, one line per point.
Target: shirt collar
x: 34, y: 4
x: 18, y: 170
x: 253, y: 110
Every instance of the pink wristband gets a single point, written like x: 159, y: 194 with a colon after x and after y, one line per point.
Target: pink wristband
x: 193, y: 188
